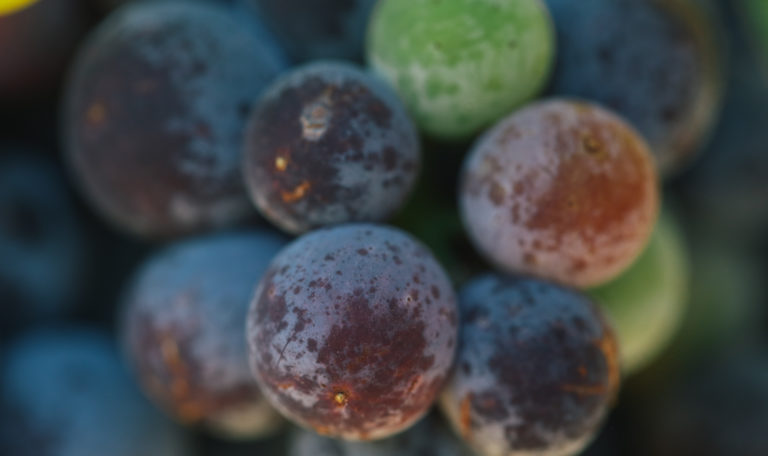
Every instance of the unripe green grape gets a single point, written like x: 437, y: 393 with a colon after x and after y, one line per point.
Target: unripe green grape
x: 646, y: 303
x: 460, y: 65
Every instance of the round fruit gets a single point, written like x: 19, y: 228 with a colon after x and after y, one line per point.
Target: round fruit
x: 155, y: 113
x: 536, y: 370
x: 185, y: 332
x: 563, y: 190
x: 460, y: 65
x: 328, y: 144
x: 352, y: 331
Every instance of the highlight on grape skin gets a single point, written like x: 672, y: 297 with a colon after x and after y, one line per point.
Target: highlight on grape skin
x: 184, y: 331
x: 328, y: 143
x: 154, y: 114
x: 352, y: 331
x: 536, y: 371
x: 561, y: 189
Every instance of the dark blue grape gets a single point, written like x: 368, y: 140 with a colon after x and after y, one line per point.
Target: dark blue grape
x: 316, y: 29
x: 352, y: 331
x: 184, y: 327
x: 41, y: 242
x: 536, y: 370
x: 155, y: 112
x: 65, y: 393
x: 329, y: 144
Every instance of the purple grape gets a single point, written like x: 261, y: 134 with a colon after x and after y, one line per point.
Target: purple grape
x: 184, y: 327
x: 328, y: 144
x: 155, y: 111
x: 352, y: 331
x: 536, y: 370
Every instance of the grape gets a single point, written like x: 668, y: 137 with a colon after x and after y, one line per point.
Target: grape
x: 460, y: 65
x: 317, y: 29
x: 64, y: 392
x: 561, y: 189
x: 154, y: 115
x: 427, y: 438
x: 328, y: 144
x: 656, y: 63
x: 184, y: 327
x: 352, y: 331
x: 36, y: 39
x: 41, y: 240
x: 646, y: 303
x: 536, y: 370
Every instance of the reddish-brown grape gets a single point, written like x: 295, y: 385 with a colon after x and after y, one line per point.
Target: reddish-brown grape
x: 563, y: 190
x: 352, y: 331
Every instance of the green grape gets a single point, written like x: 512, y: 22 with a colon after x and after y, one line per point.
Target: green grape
x: 646, y: 303
x: 459, y: 65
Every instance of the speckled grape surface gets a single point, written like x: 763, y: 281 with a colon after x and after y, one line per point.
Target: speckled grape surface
x: 657, y: 63
x: 428, y: 437
x: 317, y: 29
x: 536, y: 371
x: 352, y: 331
x: 154, y: 115
x: 65, y: 392
x: 327, y: 144
x: 459, y: 65
x: 184, y: 330
x: 647, y: 302
x: 560, y: 189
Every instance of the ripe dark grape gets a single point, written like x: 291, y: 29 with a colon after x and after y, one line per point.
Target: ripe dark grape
x: 561, y: 189
x: 184, y: 326
x: 42, y: 260
x: 155, y: 111
x: 65, y: 392
x: 536, y: 370
x: 656, y: 63
x: 36, y: 38
x: 429, y: 437
x: 327, y: 144
x: 317, y: 29
x: 352, y: 331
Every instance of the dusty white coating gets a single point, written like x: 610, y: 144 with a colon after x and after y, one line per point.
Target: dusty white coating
x: 512, y: 169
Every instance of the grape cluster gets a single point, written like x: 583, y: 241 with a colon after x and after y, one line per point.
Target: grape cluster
x: 378, y: 228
